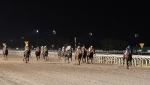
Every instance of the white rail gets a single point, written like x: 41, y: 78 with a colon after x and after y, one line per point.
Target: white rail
x: 138, y: 60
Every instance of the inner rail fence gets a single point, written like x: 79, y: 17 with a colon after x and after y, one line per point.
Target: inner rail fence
x: 137, y: 60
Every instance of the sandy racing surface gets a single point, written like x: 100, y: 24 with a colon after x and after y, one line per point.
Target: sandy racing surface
x: 13, y: 71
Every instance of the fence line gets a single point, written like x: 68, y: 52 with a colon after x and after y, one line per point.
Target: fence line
x: 138, y: 60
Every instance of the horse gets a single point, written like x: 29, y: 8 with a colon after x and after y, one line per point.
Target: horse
x: 45, y: 55
x: 90, y: 56
x: 128, y: 57
x: 37, y: 53
x: 27, y: 55
x: 84, y: 55
x: 78, y: 55
x: 5, y: 52
x: 68, y: 54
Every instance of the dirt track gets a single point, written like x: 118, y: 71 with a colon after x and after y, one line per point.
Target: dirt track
x: 13, y: 71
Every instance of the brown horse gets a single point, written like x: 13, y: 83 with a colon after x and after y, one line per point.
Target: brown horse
x: 45, y: 55
x: 68, y: 55
x: 78, y: 55
x: 128, y: 57
x: 37, y: 54
x: 5, y: 52
x: 27, y: 53
x: 84, y: 55
x: 90, y: 56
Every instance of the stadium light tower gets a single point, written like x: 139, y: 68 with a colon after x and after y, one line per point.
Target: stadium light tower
x: 37, y: 36
x: 136, y: 37
x: 54, y: 33
x: 90, y: 35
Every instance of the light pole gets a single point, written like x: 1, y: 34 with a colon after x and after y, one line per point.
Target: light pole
x: 136, y: 36
x: 22, y: 41
x: 54, y: 33
x: 75, y: 42
x: 37, y: 36
x: 90, y: 35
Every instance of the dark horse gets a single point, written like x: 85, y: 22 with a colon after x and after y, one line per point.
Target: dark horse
x: 128, y: 57
x: 5, y: 52
x: 84, y: 55
x: 45, y: 54
x: 90, y: 56
x: 27, y: 55
x: 68, y: 55
x: 37, y: 53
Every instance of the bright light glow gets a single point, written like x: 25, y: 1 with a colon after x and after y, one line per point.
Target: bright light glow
x: 90, y: 34
x: 54, y: 32
x: 37, y: 31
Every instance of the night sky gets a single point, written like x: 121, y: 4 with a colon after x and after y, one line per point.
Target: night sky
x: 116, y: 19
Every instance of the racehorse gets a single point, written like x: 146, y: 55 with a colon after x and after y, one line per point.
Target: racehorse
x: 78, y: 55
x: 27, y: 55
x: 84, y: 55
x: 5, y: 52
x: 68, y: 55
x: 37, y: 53
x: 45, y: 54
x: 89, y: 56
x: 128, y: 57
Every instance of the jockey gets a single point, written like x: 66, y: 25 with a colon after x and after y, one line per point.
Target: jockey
x: 26, y: 48
x: 38, y: 49
x: 78, y: 48
x: 91, y: 49
x: 42, y: 47
x: 128, y: 49
x: 83, y: 48
x: 45, y: 48
x: 63, y: 49
x: 5, y: 49
x: 68, y: 48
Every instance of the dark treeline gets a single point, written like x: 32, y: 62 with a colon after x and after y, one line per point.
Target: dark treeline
x: 59, y: 41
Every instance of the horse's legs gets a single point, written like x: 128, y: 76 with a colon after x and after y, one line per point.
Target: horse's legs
x: 37, y: 57
x: 71, y: 57
x: 87, y: 59
x: 79, y: 61
x: 83, y: 59
x: 130, y: 62
x: 123, y: 60
x: 46, y: 57
x: 92, y: 60
x: 68, y: 59
x: 6, y: 55
x: 28, y: 58
x: 127, y: 64
x: 75, y: 58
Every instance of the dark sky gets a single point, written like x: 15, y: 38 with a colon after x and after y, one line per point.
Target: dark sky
x: 116, y: 19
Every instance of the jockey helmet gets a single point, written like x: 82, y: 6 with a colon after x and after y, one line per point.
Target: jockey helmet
x: 78, y: 47
x: 128, y: 47
x: 45, y: 47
